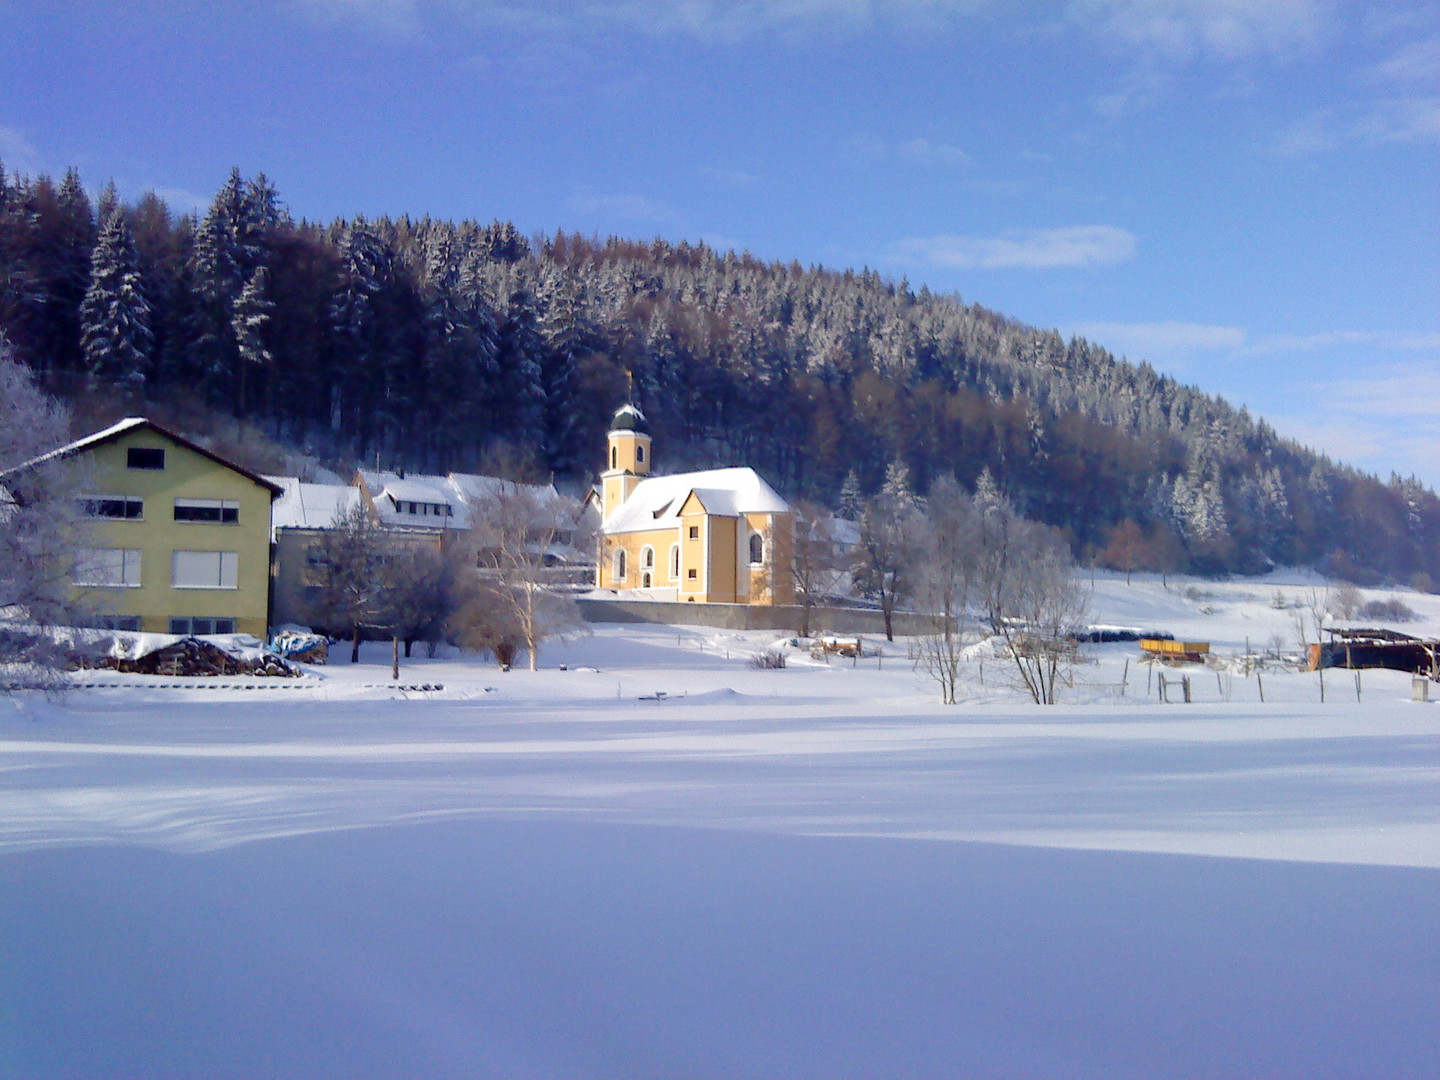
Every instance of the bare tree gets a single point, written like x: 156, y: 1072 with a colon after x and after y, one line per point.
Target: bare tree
x: 817, y: 561
x: 41, y: 528
x: 422, y: 592
x: 885, y: 558
x: 522, y: 537
x: 1032, y: 597
x: 1346, y: 600
x: 351, y: 571
x: 946, y: 583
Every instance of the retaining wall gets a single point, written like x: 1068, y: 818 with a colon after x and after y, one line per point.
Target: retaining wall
x: 823, y: 620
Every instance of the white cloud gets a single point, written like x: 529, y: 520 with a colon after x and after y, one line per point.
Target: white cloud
x: 1386, y: 421
x: 1220, y: 28
x: 633, y: 208
x: 1159, y: 339
x: 1414, y: 119
x: 18, y: 152
x: 731, y: 178
x: 1036, y: 249
x: 918, y: 151
x: 740, y: 20
x: 1415, y: 61
x: 1410, y: 119
x: 181, y: 201
x: 393, y: 18
x: 924, y: 150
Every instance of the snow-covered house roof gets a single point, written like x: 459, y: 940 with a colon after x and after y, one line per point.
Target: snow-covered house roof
x: 656, y: 501
x: 135, y: 423
x: 442, y: 502
x: 414, y: 501
x: 311, y: 506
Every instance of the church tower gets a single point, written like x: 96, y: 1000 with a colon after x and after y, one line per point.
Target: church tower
x: 627, y: 456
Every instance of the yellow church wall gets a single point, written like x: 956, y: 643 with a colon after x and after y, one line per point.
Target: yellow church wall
x: 634, y: 545
x: 772, y: 582
x: 724, y: 574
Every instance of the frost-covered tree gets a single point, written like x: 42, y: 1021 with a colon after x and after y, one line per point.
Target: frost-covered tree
x: 947, y: 582
x: 250, y: 322
x: 520, y: 360
x: 818, y: 558
x: 352, y: 588
x: 1032, y: 597
x: 516, y: 534
x: 40, y: 529
x: 887, y: 555
x: 115, y: 316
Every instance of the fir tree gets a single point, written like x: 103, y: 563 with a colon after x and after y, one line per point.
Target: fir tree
x: 115, y: 317
x: 249, y: 323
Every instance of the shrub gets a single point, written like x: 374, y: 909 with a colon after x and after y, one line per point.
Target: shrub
x: 1391, y: 610
x: 769, y: 660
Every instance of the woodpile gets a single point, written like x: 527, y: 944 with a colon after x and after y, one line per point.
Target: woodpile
x: 191, y: 657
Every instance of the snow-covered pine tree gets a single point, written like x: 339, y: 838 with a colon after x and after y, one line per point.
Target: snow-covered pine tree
x: 250, y: 322
x: 114, y: 316
x: 520, y: 360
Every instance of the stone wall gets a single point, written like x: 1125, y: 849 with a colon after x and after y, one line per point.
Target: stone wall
x: 823, y: 620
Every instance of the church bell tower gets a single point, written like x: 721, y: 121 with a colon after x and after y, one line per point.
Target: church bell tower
x: 627, y: 459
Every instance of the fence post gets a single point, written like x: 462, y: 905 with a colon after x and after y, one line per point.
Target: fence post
x: 1185, y: 686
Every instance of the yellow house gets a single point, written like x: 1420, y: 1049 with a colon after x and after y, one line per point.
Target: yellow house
x: 719, y: 536
x: 180, y: 537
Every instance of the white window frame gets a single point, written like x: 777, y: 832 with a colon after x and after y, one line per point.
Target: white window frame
x: 108, y: 568
x: 754, y: 536
x: 674, y: 562
x: 192, y: 569
x: 620, y: 565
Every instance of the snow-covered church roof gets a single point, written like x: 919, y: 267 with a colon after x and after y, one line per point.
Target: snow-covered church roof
x: 656, y: 501
x: 629, y: 418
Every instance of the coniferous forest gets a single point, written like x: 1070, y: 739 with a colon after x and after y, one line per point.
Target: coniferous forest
x: 436, y: 345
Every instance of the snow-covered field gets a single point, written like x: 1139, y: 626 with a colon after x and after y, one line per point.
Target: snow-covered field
x: 811, y: 872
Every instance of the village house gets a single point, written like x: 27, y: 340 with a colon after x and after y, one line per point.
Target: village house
x: 179, y: 537
x: 410, y: 508
x: 717, y: 536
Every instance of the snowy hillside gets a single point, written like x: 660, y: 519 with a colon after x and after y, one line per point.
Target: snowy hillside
x: 662, y: 861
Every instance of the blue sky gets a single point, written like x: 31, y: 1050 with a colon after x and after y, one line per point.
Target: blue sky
x: 1243, y: 192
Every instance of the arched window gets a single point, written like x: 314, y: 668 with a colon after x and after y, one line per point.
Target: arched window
x: 757, y: 548
x: 674, y: 562
x: 647, y: 557
x: 614, y: 457
x: 620, y: 565
x: 640, y: 452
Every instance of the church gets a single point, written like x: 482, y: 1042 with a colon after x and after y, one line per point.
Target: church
x: 721, y: 536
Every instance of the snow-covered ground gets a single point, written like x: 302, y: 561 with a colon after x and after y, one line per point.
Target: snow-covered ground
x: 664, y: 862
